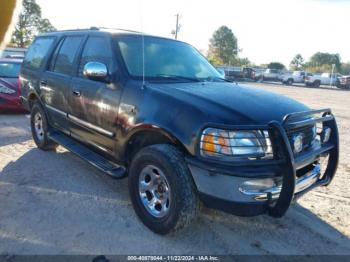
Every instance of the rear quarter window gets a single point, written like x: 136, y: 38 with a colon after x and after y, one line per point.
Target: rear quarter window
x: 37, y: 52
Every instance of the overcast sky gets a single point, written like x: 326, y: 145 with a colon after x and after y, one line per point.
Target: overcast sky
x: 267, y: 30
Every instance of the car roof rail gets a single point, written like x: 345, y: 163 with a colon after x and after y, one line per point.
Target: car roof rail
x: 115, y: 29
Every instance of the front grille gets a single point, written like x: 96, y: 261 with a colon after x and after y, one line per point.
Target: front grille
x: 308, y: 133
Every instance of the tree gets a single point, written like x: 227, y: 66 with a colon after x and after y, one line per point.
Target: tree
x: 325, y: 60
x: 30, y: 24
x: 297, y: 63
x: 223, y: 46
x: 345, y: 68
x: 275, y: 65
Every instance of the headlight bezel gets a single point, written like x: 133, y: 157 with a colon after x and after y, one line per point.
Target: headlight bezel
x: 254, y: 138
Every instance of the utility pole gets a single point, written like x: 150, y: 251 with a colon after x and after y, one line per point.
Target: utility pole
x: 177, y: 27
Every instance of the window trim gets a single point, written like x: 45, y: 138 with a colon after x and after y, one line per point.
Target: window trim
x: 46, y: 56
x: 113, y: 65
x: 58, y: 46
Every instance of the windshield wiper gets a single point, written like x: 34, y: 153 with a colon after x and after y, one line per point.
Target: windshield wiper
x: 215, y: 78
x: 178, y: 77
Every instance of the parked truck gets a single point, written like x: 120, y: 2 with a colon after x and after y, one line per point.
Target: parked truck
x: 322, y: 79
x: 295, y: 77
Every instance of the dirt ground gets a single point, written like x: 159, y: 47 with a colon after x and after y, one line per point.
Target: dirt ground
x: 54, y: 203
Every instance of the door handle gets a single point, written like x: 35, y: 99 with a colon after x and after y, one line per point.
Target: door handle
x: 76, y: 93
x: 43, y: 83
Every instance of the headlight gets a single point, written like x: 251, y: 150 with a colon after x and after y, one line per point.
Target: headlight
x: 231, y: 145
x: 6, y: 90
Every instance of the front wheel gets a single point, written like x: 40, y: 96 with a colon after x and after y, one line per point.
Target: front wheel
x: 39, y: 126
x: 162, y: 190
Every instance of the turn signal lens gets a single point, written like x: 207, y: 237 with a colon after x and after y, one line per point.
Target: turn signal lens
x: 208, y: 143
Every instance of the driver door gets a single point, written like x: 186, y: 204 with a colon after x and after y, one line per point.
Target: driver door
x: 94, y: 103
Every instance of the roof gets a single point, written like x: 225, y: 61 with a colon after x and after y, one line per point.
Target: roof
x: 104, y: 30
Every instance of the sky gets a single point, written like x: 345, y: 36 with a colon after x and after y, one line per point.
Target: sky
x: 267, y: 30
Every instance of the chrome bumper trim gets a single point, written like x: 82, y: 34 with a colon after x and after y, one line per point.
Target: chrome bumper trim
x: 301, y: 184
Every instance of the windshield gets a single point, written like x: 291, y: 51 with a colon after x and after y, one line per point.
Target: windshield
x: 164, y: 58
x: 9, y: 69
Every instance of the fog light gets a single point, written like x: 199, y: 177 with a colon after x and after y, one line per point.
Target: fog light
x: 326, y: 134
x: 298, y: 143
x: 258, y: 185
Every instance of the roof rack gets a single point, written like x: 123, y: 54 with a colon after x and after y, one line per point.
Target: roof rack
x: 117, y: 29
x: 99, y: 28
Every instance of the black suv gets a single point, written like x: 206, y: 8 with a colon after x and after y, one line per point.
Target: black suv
x: 155, y: 110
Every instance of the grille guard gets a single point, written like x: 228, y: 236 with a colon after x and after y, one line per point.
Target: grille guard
x: 280, y: 206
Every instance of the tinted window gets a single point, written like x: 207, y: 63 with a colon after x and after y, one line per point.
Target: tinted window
x: 163, y: 57
x: 9, y: 69
x: 54, y: 55
x: 66, y: 54
x: 37, y: 52
x: 97, y: 49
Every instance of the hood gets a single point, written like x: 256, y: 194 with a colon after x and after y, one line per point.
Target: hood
x: 10, y: 82
x: 229, y: 103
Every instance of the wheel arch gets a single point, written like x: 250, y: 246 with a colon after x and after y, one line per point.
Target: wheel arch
x: 147, y: 135
x: 32, y: 98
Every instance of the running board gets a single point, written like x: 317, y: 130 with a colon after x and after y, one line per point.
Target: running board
x: 87, y: 154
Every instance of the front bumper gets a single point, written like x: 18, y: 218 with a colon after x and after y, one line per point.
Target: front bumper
x: 220, y: 186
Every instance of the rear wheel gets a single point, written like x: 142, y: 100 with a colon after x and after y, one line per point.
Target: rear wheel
x: 317, y: 84
x: 39, y: 127
x: 290, y: 82
x: 162, y: 190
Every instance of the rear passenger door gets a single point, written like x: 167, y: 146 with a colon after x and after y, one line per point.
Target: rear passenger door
x: 94, y: 104
x: 56, y: 81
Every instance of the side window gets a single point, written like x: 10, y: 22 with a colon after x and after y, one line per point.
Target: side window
x: 66, y: 54
x: 37, y: 52
x: 54, y: 55
x: 97, y: 49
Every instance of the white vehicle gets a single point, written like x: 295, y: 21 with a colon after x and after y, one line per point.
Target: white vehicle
x: 321, y: 79
x: 271, y: 74
x: 295, y: 77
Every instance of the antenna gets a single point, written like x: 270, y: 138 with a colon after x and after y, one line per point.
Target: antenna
x: 143, y: 46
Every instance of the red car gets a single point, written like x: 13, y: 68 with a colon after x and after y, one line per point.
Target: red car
x: 9, y: 85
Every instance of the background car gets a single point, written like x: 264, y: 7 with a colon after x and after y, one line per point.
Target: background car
x: 322, y: 79
x: 295, y: 77
x: 13, y: 52
x: 9, y: 85
x: 233, y: 73
x: 271, y: 75
x: 344, y: 82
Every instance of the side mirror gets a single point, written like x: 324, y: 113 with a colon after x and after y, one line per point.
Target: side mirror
x: 96, y: 71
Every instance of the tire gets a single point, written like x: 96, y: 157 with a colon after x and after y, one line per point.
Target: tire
x: 180, y: 208
x: 39, y: 126
x: 317, y: 84
x: 290, y: 82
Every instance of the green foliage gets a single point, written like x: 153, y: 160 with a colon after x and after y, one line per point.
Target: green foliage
x: 319, y: 69
x: 324, y: 60
x: 223, y: 46
x: 297, y: 63
x: 30, y: 24
x: 276, y: 65
x: 345, y: 68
